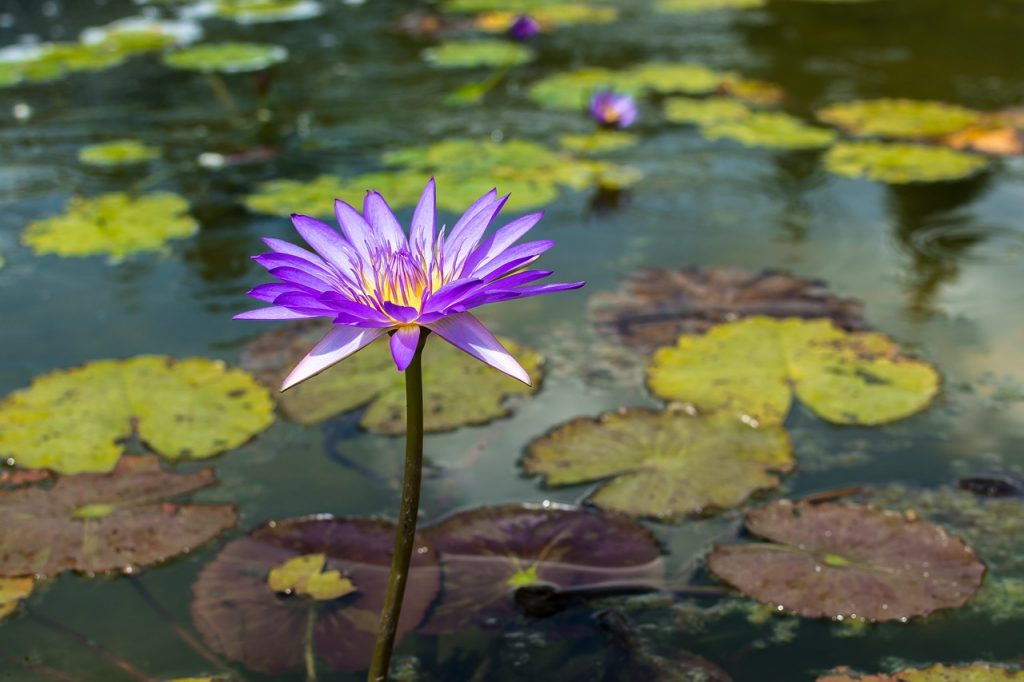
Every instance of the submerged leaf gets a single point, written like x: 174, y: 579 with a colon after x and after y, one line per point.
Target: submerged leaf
x: 663, y: 465
x: 901, y: 163
x: 977, y: 672
x: 227, y: 57
x: 752, y: 368
x: 473, y: 53
x: 833, y: 560
x: 117, y: 153
x: 12, y: 591
x: 773, y: 129
x: 244, y: 619
x: 898, y: 117
x: 76, y: 420
x: 98, y: 523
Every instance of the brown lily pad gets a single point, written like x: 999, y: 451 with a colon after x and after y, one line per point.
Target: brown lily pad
x: 849, y: 561
x: 656, y: 306
x: 490, y: 552
x: 100, y: 523
x: 978, y: 672
x: 244, y: 618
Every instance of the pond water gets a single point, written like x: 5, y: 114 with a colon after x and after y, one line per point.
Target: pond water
x: 938, y: 267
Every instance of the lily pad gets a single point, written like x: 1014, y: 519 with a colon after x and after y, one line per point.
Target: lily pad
x: 599, y: 142
x: 51, y: 61
x: 12, y: 591
x: 550, y: 16
x: 904, y: 118
x: 517, y: 6
x: 76, y: 419
x: 316, y: 197
x: 754, y: 367
x: 572, y: 90
x: 305, y: 576
x: 459, y: 390
x: 989, y: 137
x: 849, y: 561
x: 134, y: 35
x: 978, y: 672
x: 489, y: 552
x: 227, y: 57
x: 901, y: 163
x: 118, y: 153
x: 758, y: 93
x: 100, y: 523
x: 116, y: 224
x: 704, y: 111
x: 770, y: 129
x: 655, y: 306
x: 242, y: 618
x: 463, y: 54
x: 692, y: 6
x: 663, y: 465
x: 262, y: 11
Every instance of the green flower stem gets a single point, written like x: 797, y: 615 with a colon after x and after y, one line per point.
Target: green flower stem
x: 405, y: 534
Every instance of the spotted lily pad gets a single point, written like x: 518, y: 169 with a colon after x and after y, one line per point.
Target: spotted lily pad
x: 118, y: 153
x: 663, y: 465
x: 691, y: 6
x: 707, y: 111
x: 458, y: 389
x: 242, y: 618
x: 227, y: 57
x: 901, y: 163
x: 489, y: 552
x: 599, y: 142
x: 12, y: 591
x: 463, y: 54
x: 655, y: 306
x: 116, y: 224
x: 831, y: 560
x: 572, y: 90
x: 770, y: 129
x: 548, y: 16
x: 76, y: 419
x: 978, y: 672
x: 754, y: 367
x: 99, y: 523
x: 898, y: 117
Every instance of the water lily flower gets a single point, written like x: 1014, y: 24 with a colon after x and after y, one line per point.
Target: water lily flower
x: 613, y: 109
x: 371, y: 279
x: 524, y: 27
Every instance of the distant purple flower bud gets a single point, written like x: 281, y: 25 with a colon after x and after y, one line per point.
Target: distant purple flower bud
x: 613, y: 109
x: 524, y: 27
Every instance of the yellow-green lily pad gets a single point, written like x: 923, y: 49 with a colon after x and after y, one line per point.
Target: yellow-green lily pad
x: 691, y: 6
x: 462, y: 54
x: 517, y: 6
x: 50, y: 61
x: 905, y: 118
x: 598, y: 142
x: 265, y: 11
x: 663, y: 465
x: 117, y: 153
x: 12, y: 591
x: 77, y: 419
x: 753, y: 368
x: 901, y: 163
x: 305, y: 575
x: 550, y: 16
x: 770, y: 129
x: 977, y: 672
x: 116, y: 224
x: 135, y: 35
x: 316, y: 197
x: 459, y: 390
x: 706, y: 111
x: 758, y: 93
x: 227, y: 57
x: 573, y: 89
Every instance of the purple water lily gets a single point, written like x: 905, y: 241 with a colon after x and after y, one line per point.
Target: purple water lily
x: 371, y: 279
x: 613, y: 109
x: 524, y: 27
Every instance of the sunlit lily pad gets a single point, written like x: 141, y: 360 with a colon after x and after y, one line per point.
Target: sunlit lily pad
x: 489, y: 552
x: 459, y: 390
x: 758, y: 93
x: 901, y: 163
x: 463, y: 54
x: 549, y: 16
x: 704, y: 111
x: 573, y: 89
x: 260, y: 11
x: 227, y: 57
x: 12, y: 591
x: 690, y: 6
x: 599, y: 142
x: 898, y: 117
x: 770, y: 129
x: 99, y: 523
x: 51, y: 61
x: 755, y: 366
x: 116, y: 224
x: 655, y: 306
x: 663, y: 465
x: 76, y: 419
x: 118, y: 153
x: 517, y: 6
x: 978, y: 672
x: 242, y: 618
x: 305, y: 576
x: 316, y: 197
x: 133, y: 35
x: 832, y: 560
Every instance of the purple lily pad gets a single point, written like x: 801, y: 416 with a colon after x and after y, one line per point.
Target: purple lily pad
x: 97, y: 523
x: 243, y: 619
x: 838, y: 560
x: 656, y: 306
x: 490, y: 552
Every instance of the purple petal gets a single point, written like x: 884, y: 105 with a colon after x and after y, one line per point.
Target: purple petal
x: 467, y: 333
x: 287, y: 248
x: 383, y: 221
x: 342, y: 304
x: 491, y: 295
x: 325, y: 240
x: 424, y: 220
x: 502, y: 238
x: 337, y: 344
x: 268, y: 292
x: 522, y: 254
x: 303, y: 303
x: 400, y: 313
x: 272, y: 313
x: 281, y: 260
x: 305, y: 279
x: 450, y: 293
x: 403, y: 345
x: 468, y: 231
x: 360, y: 234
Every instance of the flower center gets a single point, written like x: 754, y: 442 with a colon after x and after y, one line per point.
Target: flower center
x: 399, y: 277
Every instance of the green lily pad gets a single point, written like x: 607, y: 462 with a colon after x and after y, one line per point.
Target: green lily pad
x: 655, y: 306
x: 241, y: 617
x: 99, y: 523
x: 663, y: 77
x: 117, y: 153
x: 51, y: 61
x: 758, y: 93
x: 76, y: 420
x: 770, y: 129
x: 316, y: 197
x: 462, y: 54
x: 265, y: 11
x: 116, y: 224
x: 517, y: 6
x: 599, y: 142
x: 12, y: 591
x: 136, y: 35
x: 550, y: 16
x: 488, y: 553
x: 753, y: 368
x: 849, y: 561
x: 458, y: 390
x: 690, y: 6
x: 901, y: 163
x: 978, y: 672
x: 704, y: 111
x: 899, y: 117
x: 572, y: 90
x: 663, y: 465
x: 227, y: 57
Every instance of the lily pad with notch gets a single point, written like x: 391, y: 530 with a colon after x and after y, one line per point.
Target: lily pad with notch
x: 901, y: 118
x: 245, y: 615
x: 901, y: 163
